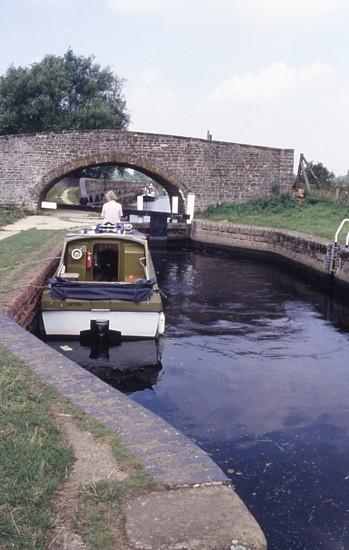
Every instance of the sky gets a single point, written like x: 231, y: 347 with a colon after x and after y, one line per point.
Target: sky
x: 262, y: 72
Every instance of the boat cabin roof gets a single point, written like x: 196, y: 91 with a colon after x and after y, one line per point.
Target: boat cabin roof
x: 123, y: 231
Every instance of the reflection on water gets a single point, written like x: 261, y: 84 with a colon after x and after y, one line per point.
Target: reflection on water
x: 132, y: 366
x: 160, y: 204
x: 256, y: 371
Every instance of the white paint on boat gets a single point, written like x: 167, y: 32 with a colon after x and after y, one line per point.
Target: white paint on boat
x: 131, y: 324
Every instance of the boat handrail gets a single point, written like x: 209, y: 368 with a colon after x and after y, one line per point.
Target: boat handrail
x: 142, y: 262
x: 340, y: 227
x: 114, y: 228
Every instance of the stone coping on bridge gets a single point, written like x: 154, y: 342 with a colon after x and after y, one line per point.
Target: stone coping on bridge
x: 135, y: 133
x: 306, y: 253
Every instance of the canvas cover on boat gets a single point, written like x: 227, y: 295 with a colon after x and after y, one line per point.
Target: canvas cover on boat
x: 139, y: 291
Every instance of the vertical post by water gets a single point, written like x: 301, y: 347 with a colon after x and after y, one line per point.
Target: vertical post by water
x: 139, y: 202
x: 174, y: 205
x: 190, y: 206
x: 140, y: 205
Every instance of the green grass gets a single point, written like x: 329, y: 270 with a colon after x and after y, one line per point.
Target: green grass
x: 74, y: 194
x: 34, y: 458
x: 10, y: 215
x: 55, y: 193
x: 315, y: 216
x: 18, y: 251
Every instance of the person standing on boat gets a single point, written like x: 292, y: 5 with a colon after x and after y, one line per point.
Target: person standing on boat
x: 112, y: 210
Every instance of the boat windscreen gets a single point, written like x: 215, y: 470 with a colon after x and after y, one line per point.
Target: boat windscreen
x: 136, y: 292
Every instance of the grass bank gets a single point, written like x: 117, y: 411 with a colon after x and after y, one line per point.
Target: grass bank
x: 315, y: 216
x: 36, y: 462
x: 34, y: 458
x: 22, y: 253
x: 10, y: 215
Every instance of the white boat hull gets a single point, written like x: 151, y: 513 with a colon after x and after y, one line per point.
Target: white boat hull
x: 130, y: 324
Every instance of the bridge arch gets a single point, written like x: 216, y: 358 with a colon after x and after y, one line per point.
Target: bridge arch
x: 162, y: 176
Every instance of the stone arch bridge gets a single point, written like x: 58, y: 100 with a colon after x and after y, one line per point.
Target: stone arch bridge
x: 216, y: 171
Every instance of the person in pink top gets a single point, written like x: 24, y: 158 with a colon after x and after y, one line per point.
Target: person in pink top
x: 112, y: 210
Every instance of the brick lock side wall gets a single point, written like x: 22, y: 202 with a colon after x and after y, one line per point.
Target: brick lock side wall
x: 215, y: 171
x: 303, y: 251
x: 292, y: 246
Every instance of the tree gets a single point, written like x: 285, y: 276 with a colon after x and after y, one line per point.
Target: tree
x: 322, y: 173
x: 99, y: 172
x: 61, y: 93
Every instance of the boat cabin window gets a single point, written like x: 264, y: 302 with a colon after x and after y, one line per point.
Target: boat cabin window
x: 133, y: 262
x: 105, y: 262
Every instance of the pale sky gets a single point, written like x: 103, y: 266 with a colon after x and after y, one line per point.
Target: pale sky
x: 263, y: 72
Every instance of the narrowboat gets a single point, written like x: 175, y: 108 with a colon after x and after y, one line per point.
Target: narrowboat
x: 149, y: 193
x: 105, y: 283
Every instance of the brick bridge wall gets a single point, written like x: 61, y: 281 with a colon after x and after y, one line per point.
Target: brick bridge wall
x: 215, y: 171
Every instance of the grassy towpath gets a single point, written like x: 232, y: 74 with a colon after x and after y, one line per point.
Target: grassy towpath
x: 315, y: 216
x: 22, y: 254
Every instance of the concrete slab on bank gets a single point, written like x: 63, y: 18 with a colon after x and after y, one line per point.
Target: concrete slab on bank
x: 62, y: 219
x: 199, y: 518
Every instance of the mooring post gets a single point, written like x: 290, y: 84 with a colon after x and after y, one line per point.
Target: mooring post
x: 139, y: 202
x: 190, y: 207
x: 140, y: 205
x: 174, y: 208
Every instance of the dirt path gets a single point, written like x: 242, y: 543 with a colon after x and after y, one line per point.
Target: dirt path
x: 65, y: 196
x: 94, y: 462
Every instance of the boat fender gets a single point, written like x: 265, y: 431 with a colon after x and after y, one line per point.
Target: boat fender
x: 89, y: 260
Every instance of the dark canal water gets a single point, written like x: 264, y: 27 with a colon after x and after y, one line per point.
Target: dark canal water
x: 255, y: 369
